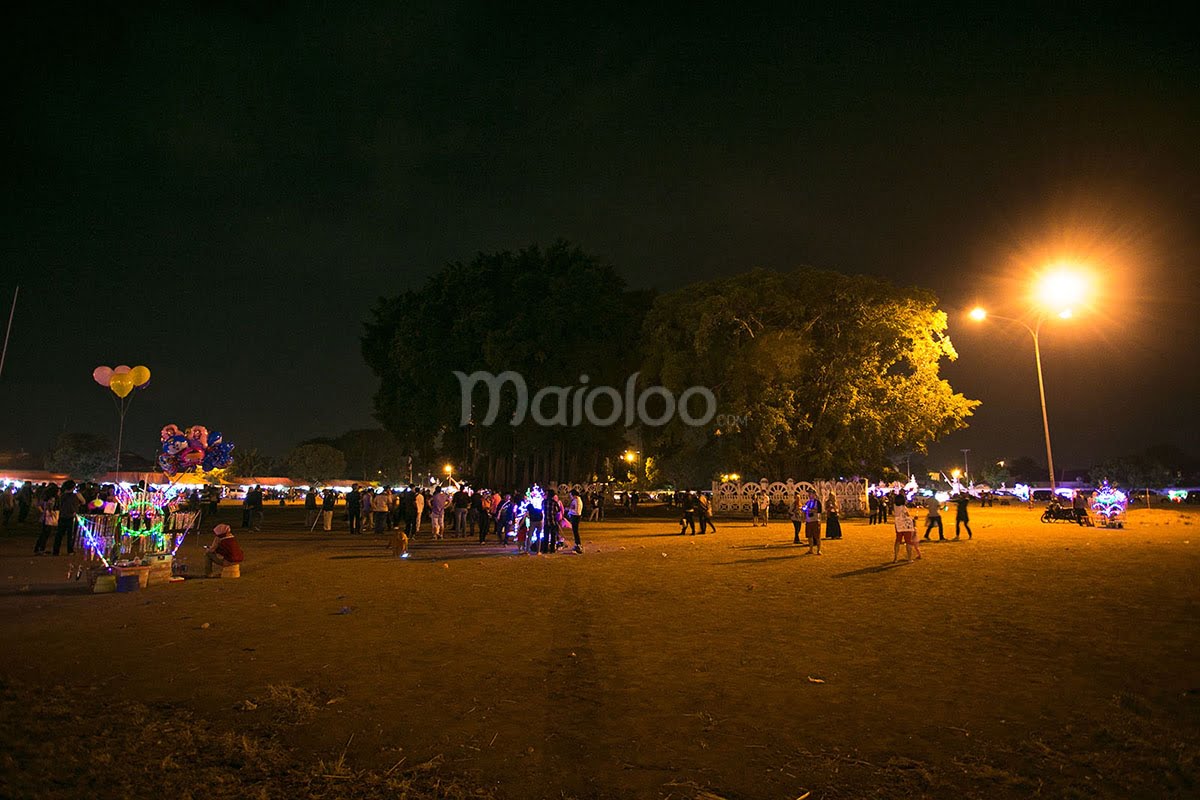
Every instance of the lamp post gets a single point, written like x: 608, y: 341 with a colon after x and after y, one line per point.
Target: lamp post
x: 966, y: 466
x: 1058, y: 291
x: 1035, y: 331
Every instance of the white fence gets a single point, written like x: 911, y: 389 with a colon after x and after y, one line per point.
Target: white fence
x: 735, y: 497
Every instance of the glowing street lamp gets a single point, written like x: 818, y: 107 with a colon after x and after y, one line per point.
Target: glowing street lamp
x: 1056, y: 293
x: 630, y: 456
x: 449, y: 470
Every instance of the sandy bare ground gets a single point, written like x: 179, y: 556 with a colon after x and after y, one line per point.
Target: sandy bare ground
x: 1033, y: 660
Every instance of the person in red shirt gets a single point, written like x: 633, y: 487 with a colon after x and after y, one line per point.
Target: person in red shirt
x: 224, y: 551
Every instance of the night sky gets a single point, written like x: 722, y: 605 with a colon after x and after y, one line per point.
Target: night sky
x: 221, y: 195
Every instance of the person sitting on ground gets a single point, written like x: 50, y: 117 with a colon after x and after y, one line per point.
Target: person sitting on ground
x: 223, y: 552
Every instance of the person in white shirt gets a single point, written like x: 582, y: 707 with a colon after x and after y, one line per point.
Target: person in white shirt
x: 906, y: 531
x: 574, y: 515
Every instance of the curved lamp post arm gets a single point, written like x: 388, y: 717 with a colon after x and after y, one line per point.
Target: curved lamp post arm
x: 1036, y: 332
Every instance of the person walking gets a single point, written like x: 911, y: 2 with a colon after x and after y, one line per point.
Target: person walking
x: 933, y: 516
x: 812, y: 522
x: 328, y: 503
x: 574, y: 515
x: 688, y: 519
x: 960, y: 513
x: 906, y: 532
x: 833, y: 526
x: 704, y: 513
x: 354, y: 509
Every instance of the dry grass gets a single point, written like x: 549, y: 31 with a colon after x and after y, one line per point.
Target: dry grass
x: 1034, y: 661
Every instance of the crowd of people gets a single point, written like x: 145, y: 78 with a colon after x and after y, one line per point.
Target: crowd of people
x: 535, y: 520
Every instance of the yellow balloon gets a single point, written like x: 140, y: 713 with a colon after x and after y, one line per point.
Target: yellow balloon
x: 121, y: 384
x: 140, y: 375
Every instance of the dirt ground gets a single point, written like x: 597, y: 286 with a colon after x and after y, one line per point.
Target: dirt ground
x: 1032, y: 660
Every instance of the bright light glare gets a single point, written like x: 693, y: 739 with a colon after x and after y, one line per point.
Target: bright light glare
x: 1062, y: 287
x: 447, y: 469
x: 1066, y: 313
x: 978, y: 314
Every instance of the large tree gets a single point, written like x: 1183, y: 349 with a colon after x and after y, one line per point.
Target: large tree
x: 83, y: 456
x: 816, y: 374
x: 315, y: 463
x: 550, y: 315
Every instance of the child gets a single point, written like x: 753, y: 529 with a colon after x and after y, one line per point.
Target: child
x: 906, y: 531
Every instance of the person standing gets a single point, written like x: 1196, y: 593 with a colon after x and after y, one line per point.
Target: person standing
x: 475, y: 516
x: 873, y: 506
x: 505, y: 516
x: 906, y: 532
x: 255, y: 498
x: 833, y: 526
x: 755, y: 512
x: 796, y: 515
x: 310, y: 508
x: 24, y: 501
x: 379, y: 511
x: 437, y: 513
x: 960, y: 513
x: 8, y: 504
x: 552, y: 511
x: 354, y: 509
x: 420, y: 502
x: 812, y: 522
x: 933, y: 516
x: 69, y: 503
x: 48, y: 511
x: 574, y: 515
x: 462, y: 507
x: 328, y: 503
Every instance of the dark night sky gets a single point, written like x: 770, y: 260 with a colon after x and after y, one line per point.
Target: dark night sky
x: 221, y: 195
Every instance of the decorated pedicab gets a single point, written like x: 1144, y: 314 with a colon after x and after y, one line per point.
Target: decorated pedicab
x: 129, y: 540
x: 1109, y: 504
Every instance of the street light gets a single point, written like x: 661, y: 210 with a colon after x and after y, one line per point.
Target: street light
x: 449, y: 470
x: 1057, y: 292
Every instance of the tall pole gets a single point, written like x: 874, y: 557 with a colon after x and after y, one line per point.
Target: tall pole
x: 1037, y: 355
x: 966, y: 465
x: 11, y: 311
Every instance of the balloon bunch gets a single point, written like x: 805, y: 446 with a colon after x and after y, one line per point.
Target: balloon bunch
x: 122, y: 380
x: 196, y: 447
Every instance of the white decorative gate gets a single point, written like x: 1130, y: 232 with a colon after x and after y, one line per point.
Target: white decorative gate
x: 735, y: 497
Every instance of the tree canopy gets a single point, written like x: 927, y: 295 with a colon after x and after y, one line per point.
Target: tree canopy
x: 84, y: 456
x: 315, y: 463
x: 549, y: 315
x: 816, y: 374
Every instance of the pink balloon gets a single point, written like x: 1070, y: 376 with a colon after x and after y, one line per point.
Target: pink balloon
x: 102, y: 375
x: 121, y: 369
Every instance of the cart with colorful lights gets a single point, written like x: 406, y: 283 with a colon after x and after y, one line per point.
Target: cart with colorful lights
x: 140, y: 536
x: 1109, y: 505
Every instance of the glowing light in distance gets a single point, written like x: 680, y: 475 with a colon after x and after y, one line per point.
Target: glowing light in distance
x: 979, y: 314
x: 1062, y: 287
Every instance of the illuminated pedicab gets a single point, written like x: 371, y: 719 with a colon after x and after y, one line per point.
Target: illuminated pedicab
x: 1109, y: 504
